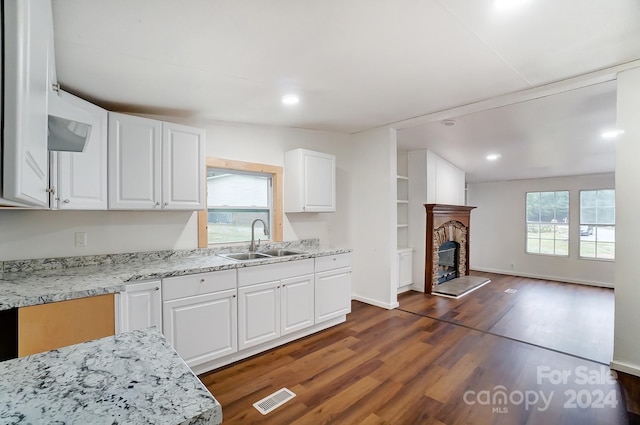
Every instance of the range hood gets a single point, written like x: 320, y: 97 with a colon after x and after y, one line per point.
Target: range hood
x: 69, y: 127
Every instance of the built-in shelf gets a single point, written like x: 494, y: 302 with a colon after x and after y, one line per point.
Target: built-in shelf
x: 402, y: 202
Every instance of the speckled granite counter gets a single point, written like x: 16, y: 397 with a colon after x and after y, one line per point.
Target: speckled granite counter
x: 32, y: 282
x: 132, y: 378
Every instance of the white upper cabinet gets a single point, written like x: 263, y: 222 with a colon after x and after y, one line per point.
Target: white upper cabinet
x: 183, y: 173
x: 155, y: 165
x: 27, y: 29
x: 309, y: 181
x: 79, y: 179
x: 135, y: 146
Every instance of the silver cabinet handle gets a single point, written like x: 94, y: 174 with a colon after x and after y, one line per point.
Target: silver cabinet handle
x: 166, y: 203
x: 201, y: 280
x: 156, y: 204
x: 66, y: 201
x: 157, y: 288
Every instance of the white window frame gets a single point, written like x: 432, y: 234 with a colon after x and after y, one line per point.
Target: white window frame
x: 555, y: 225
x: 595, y: 225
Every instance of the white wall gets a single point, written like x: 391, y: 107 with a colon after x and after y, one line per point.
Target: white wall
x: 498, y: 231
x: 267, y: 145
x: 626, y: 346
x: 38, y: 234
x: 432, y: 180
x: 373, y: 217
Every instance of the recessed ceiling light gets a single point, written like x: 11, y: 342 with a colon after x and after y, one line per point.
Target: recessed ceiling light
x: 493, y: 156
x: 449, y: 123
x: 612, y: 134
x: 290, y: 99
x: 507, y: 5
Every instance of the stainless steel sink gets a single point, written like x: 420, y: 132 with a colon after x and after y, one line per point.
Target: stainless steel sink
x: 244, y: 256
x: 279, y: 252
x: 268, y: 253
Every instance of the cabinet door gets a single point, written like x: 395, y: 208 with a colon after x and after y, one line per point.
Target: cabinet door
x: 183, y: 173
x: 310, y: 181
x: 258, y: 314
x: 333, y: 294
x: 404, y: 268
x: 46, y: 327
x: 202, y: 328
x: 27, y: 26
x: 81, y: 182
x: 319, y: 182
x: 134, y: 162
x: 140, y: 307
x: 297, y: 303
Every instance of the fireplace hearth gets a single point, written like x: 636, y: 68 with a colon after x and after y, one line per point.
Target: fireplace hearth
x: 447, y: 243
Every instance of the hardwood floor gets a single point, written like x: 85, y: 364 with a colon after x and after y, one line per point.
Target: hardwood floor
x: 550, y: 314
x: 400, y: 367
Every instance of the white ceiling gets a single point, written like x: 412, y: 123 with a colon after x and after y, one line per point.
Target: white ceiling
x: 558, y: 135
x: 356, y: 64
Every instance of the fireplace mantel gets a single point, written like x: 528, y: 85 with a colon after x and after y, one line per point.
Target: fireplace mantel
x: 437, y: 216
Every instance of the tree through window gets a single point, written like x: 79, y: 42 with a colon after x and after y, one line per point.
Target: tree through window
x: 548, y: 223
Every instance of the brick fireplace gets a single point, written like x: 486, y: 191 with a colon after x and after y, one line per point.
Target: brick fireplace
x: 445, y: 223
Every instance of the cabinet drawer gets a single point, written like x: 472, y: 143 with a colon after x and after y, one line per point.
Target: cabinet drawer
x: 331, y: 262
x: 197, y: 284
x: 270, y: 272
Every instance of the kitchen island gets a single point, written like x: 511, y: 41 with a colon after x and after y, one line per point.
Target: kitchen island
x: 131, y: 378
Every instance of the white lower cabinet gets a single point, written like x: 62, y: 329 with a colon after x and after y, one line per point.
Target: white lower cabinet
x: 297, y: 303
x: 213, y: 319
x: 259, y: 319
x: 270, y: 309
x: 139, y: 307
x: 332, y: 287
x: 405, y: 267
x: 200, y: 315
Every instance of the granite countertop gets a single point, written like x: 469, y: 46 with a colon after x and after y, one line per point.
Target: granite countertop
x: 131, y: 378
x: 32, y: 282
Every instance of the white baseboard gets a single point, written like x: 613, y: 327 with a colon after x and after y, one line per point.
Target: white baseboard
x: 545, y: 277
x: 404, y: 289
x: 625, y: 367
x: 375, y: 302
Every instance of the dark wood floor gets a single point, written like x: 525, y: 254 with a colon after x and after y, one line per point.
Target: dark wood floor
x: 573, y: 319
x: 400, y: 367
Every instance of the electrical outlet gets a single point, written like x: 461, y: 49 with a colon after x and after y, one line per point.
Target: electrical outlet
x: 81, y: 239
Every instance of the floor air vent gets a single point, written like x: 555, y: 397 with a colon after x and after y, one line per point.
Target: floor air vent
x: 510, y: 291
x: 273, y: 401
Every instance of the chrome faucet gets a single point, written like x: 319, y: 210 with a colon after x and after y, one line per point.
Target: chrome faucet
x: 253, y: 246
